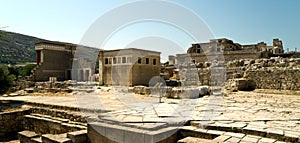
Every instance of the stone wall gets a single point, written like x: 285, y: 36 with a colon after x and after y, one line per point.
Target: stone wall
x: 42, y: 125
x: 280, y: 78
x: 101, y: 132
x: 225, y: 56
x: 54, y: 64
x: 12, y: 122
x: 273, y: 73
x: 128, y: 67
x: 59, y: 114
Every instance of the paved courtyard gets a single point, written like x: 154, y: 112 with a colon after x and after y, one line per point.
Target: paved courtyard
x: 273, y: 113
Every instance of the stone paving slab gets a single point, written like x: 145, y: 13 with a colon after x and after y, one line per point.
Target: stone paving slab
x: 268, y: 115
x: 229, y: 137
x: 194, y: 140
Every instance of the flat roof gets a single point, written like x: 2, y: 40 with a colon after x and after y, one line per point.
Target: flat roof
x: 136, y: 49
x: 62, y: 44
x: 77, y: 45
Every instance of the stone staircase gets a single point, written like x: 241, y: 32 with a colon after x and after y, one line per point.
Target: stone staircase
x: 70, y: 137
x: 235, y: 133
x: 44, y: 125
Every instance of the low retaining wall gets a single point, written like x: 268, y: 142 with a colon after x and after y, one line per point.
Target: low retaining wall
x: 281, y: 79
x: 42, y: 125
x: 59, y: 114
x: 12, y: 122
x: 108, y: 133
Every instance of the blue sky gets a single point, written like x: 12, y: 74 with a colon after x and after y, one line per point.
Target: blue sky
x: 244, y: 21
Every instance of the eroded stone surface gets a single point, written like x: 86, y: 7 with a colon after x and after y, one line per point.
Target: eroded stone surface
x: 264, y: 114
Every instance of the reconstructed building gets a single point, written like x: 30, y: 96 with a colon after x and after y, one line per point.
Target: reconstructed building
x: 128, y: 66
x: 201, y: 52
x: 55, y: 59
x: 116, y: 67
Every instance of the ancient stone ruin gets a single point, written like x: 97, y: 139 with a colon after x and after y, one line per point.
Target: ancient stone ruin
x: 192, y: 98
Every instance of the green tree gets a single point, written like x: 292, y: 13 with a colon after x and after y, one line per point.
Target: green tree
x: 26, y: 71
x: 6, y: 80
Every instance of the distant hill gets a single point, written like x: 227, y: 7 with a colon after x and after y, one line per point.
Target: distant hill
x: 17, y: 48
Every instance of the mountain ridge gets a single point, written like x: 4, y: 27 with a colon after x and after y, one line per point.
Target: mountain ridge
x: 17, y: 48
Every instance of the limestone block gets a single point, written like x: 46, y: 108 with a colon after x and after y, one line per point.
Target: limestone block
x: 26, y: 136
x: 78, y: 136
x: 241, y: 84
x: 59, y: 138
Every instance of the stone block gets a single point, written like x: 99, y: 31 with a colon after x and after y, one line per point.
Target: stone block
x: 26, y: 136
x: 131, y: 137
x: 78, y: 136
x: 266, y: 140
x: 114, y: 134
x: 221, y: 138
x: 250, y: 139
x: 36, y: 140
x: 108, y: 133
x: 237, y: 135
x: 165, y: 135
x: 194, y: 140
x: 233, y: 140
x: 255, y: 131
x: 59, y: 138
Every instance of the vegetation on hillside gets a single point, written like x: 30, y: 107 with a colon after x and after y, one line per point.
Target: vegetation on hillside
x: 17, y: 48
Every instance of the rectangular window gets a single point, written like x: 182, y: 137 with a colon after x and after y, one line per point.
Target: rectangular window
x: 123, y: 60
x: 147, y: 60
x: 114, y: 60
x: 109, y: 61
x: 129, y: 60
x: 154, y: 61
x: 139, y: 60
x: 106, y: 61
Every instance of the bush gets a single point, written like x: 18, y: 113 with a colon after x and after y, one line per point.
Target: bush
x: 6, y: 80
x: 26, y: 71
x: 14, y: 71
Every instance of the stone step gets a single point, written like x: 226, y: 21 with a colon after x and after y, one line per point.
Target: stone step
x: 78, y: 136
x: 59, y: 138
x: 194, y: 140
x: 31, y: 137
x: 225, y: 136
x: 26, y: 136
x: 36, y: 140
x: 42, y: 125
x: 63, y: 120
x: 191, y: 131
x: 273, y: 133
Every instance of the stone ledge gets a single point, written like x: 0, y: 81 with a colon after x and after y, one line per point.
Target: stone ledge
x: 195, y: 140
x: 108, y: 133
x: 78, y: 136
x: 60, y: 138
x: 151, y: 126
x: 272, y: 133
x: 36, y: 140
x: 46, y: 125
x: 26, y: 136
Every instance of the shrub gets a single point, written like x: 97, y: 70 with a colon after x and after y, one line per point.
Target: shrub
x: 6, y: 80
x: 26, y: 71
